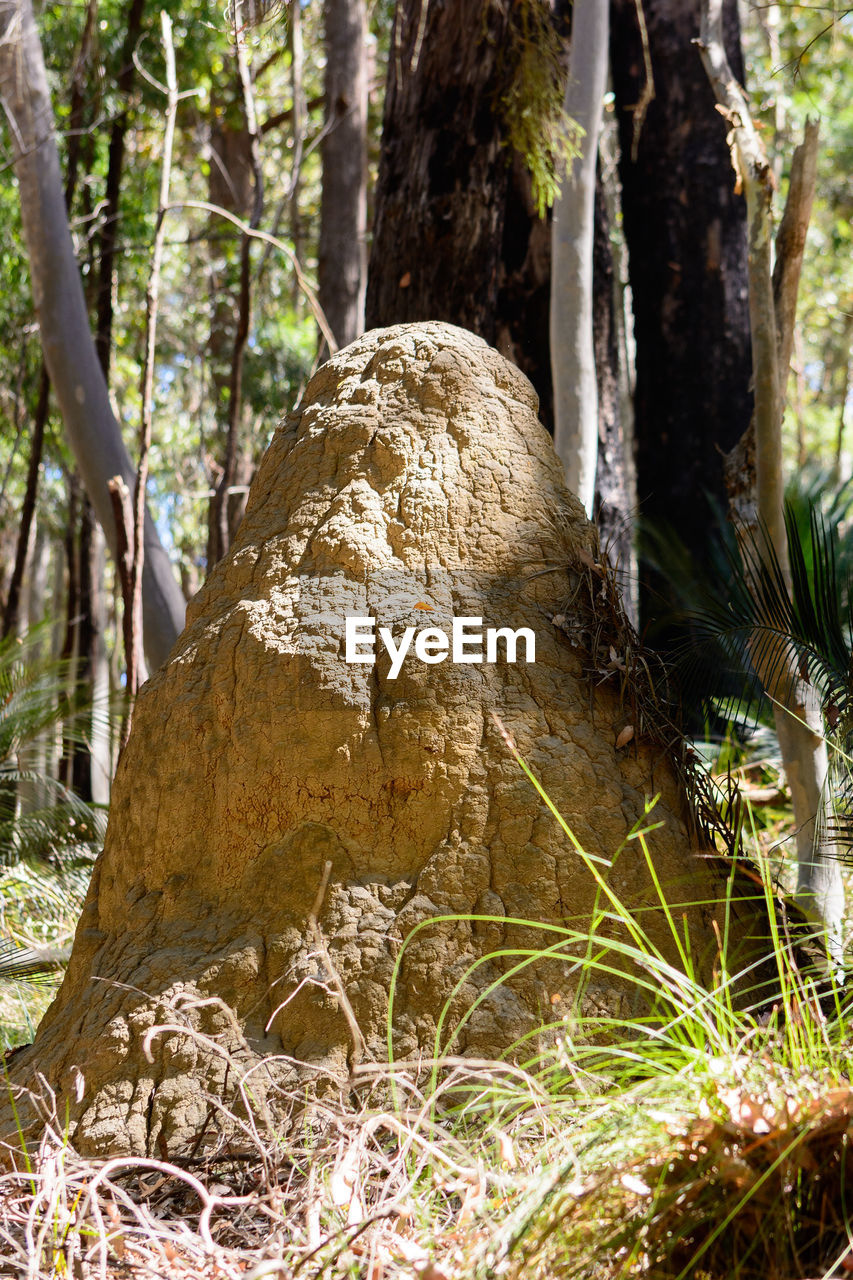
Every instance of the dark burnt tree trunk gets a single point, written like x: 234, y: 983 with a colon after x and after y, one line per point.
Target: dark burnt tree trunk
x: 456, y: 232
x: 686, y: 234
x: 523, y: 303
x: 444, y: 169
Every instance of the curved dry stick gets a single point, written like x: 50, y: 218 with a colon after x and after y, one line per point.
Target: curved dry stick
x: 319, y: 315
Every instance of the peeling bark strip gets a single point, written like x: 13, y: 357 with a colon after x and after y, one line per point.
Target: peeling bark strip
x: 69, y: 351
x: 799, y: 723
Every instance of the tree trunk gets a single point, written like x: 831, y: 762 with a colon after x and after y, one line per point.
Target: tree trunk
x: 100, y: 767
x: 297, y: 83
x: 443, y: 172
x: 772, y: 310
x: 70, y: 643
x: 33, y: 791
x: 457, y: 235
x: 115, y: 164
x: 69, y: 351
x: 572, y: 235
x: 342, y: 265
x: 230, y: 187
x: 236, y: 185
x: 686, y: 233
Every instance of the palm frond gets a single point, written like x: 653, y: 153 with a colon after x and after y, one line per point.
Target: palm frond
x: 773, y: 636
x: 38, y: 701
x: 27, y: 963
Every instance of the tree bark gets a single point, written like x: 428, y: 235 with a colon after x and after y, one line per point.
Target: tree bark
x: 615, y: 485
x: 115, y: 165
x: 572, y: 233
x: 457, y: 235
x: 342, y: 265
x: 685, y: 229
x: 522, y: 307
x: 444, y: 170
x: 229, y: 187
x: 225, y: 514
x: 69, y: 351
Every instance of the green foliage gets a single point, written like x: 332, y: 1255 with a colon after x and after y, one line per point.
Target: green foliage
x: 701, y: 1136
x: 43, y: 824
x: 200, y: 267
x: 532, y: 107
x: 33, y: 704
x: 704, y: 1135
x: 799, y: 634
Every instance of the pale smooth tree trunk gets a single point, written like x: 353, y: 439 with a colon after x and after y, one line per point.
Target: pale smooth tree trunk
x: 69, y: 351
x: 572, y: 351
x: 342, y: 265
x: 772, y: 306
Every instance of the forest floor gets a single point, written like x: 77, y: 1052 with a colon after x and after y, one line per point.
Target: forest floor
x: 703, y: 1144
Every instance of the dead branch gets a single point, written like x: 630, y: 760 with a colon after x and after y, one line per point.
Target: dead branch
x: 319, y: 315
x: 123, y: 518
x: 791, y: 242
x: 739, y: 465
x: 152, y: 304
x: 647, y: 95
